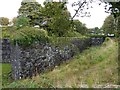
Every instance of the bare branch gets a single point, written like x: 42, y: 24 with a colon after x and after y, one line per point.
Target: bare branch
x: 80, y: 5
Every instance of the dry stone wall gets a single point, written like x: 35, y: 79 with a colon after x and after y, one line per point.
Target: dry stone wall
x: 6, y: 50
x: 39, y: 57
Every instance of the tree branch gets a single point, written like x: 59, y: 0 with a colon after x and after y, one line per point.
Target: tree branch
x: 78, y: 10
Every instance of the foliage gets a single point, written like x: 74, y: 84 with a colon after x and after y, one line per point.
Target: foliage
x: 117, y: 32
x: 118, y: 24
x: 29, y: 84
x: 21, y: 21
x: 83, y: 6
x: 33, y: 11
x: 26, y: 36
x: 115, y: 8
x: 57, y: 17
x: 6, y: 69
x: 107, y: 39
x: 73, y: 34
x: 109, y: 26
x: 89, y: 35
x: 79, y: 27
x: 62, y: 41
x: 95, y: 31
x: 4, y: 21
x: 14, y: 20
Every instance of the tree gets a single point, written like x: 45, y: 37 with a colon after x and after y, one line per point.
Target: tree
x: 97, y: 31
x: 14, y: 20
x: 57, y: 17
x: 109, y: 26
x: 117, y: 27
x: 31, y: 10
x: 79, y: 27
x: 115, y: 8
x: 83, y: 5
x: 118, y: 24
x: 4, y: 21
x: 22, y: 21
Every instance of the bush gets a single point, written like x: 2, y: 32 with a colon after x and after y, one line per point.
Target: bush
x: 99, y: 36
x: 22, y: 21
x: 73, y: 34
x: 26, y: 36
x: 107, y: 39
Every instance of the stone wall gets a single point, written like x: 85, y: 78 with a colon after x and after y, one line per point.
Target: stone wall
x: 39, y: 57
x: 6, y: 51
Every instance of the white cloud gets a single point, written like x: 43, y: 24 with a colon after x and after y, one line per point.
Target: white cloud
x: 9, y: 8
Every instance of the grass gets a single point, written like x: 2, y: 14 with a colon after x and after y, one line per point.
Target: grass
x: 5, y: 69
x: 96, y: 65
x: 0, y: 76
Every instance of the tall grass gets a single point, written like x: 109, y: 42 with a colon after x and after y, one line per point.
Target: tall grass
x: 4, y: 74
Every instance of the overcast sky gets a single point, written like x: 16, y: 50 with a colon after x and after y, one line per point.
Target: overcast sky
x: 9, y: 8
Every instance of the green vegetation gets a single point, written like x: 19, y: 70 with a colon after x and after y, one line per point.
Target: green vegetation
x: 6, y: 69
x: 63, y: 41
x: 4, y: 21
x: 57, y: 17
x: 96, y: 65
x: 25, y: 36
x: 32, y: 11
x: 54, y: 17
x: 21, y: 21
x: 73, y: 34
x: 0, y: 75
x: 79, y: 27
x: 109, y: 25
x: 28, y: 35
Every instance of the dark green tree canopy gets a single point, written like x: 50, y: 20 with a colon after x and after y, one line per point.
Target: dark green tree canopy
x: 109, y: 25
x: 31, y: 10
x: 79, y: 27
x: 115, y: 8
x: 21, y: 21
x: 57, y: 17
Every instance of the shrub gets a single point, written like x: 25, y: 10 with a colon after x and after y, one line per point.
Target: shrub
x: 22, y: 22
x: 107, y: 39
x: 73, y: 34
x: 26, y: 36
x: 99, y: 36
